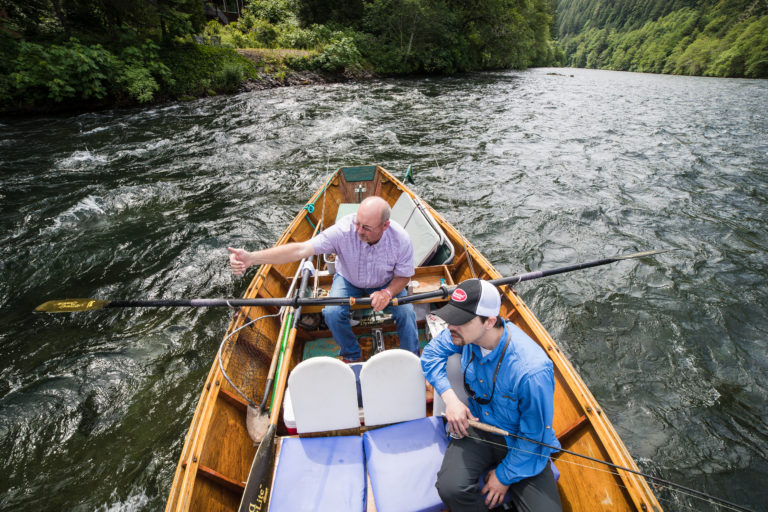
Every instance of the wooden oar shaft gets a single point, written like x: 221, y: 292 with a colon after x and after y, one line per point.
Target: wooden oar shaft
x: 258, y: 488
x: 72, y: 305
x: 282, y: 376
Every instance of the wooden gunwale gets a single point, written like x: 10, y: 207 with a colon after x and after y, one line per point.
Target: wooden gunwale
x: 579, y: 420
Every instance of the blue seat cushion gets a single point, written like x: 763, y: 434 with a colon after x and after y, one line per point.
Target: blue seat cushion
x: 321, y: 473
x: 403, y: 461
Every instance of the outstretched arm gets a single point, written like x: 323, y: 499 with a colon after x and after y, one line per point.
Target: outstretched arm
x: 240, y: 259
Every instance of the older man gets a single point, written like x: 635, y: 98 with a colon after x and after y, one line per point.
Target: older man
x: 374, y: 258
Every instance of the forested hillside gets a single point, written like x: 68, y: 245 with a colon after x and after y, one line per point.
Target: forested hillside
x: 115, y: 52
x: 689, y: 37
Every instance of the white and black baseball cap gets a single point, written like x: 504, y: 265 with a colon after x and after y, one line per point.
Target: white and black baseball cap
x: 473, y: 297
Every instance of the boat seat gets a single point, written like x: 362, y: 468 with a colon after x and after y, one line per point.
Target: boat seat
x: 323, y: 395
x: 452, y: 368
x: 320, y: 474
x: 403, y: 461
x: 425, y: 233
x: 346, y: 209
x: 456, y: 378
x: 393, y: 388
x: 289, y: 418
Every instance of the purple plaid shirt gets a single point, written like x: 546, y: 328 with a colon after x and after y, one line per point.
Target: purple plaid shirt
x: 364, y: 265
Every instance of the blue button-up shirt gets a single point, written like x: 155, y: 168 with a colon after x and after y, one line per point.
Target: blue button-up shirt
x: 523, y: 403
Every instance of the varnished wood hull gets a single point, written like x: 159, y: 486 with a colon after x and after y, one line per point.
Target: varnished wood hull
x: 217, y: 453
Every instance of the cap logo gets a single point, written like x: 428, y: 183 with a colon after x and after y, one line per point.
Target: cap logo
x: 459, y: 295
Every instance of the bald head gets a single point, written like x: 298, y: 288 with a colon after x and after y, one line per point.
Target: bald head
x: 375, y: 206
x: 372, y: 219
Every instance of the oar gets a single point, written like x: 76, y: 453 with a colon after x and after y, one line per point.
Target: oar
x: 74, y: 305
x: 258, y: 488
x: 693, y: 492
x: 257, y: 419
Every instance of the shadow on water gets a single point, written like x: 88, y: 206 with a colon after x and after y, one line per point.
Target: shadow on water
x: 538, y: 170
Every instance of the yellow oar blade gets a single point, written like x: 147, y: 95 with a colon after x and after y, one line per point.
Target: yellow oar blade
x: 71, y: 305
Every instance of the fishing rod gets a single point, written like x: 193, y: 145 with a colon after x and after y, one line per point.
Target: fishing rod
x: 698, y: 494
x: 75, y: 305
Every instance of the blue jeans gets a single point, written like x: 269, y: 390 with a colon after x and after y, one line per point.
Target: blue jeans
x: 337, y: 319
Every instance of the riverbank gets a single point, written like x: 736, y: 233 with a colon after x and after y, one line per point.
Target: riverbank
x: 188, y: 72
x: 274, y: 68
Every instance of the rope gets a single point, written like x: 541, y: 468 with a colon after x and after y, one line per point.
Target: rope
x: 221, y: 348
x: 310, y: 207
x: 317, y: 265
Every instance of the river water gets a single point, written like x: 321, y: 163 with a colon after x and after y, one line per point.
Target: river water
x: 539, y: 169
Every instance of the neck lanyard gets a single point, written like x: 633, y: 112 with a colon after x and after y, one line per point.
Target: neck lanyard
x: 470, y: 392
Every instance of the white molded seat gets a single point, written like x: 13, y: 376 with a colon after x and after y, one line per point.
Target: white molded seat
x: 423, y: 235
x: 452, y: 368
x: 456, y: 378
x: 393, y: 388
x: 323, y: 395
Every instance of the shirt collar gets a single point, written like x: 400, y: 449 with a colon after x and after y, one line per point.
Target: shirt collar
x: 493, y: 354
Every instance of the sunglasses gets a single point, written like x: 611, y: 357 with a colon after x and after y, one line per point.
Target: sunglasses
x: 470, y: 391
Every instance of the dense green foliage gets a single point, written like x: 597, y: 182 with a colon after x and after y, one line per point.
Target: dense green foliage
x: 86, y: 53
x: 99, y: 20
x: 447, y: 36
x: 205, y: 70
x: 403, y: 36
x: 575, y: 16
x: 106, y: 52
x: 711, y: 38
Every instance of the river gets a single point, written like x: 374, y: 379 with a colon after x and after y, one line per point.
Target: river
x: 539, y: 169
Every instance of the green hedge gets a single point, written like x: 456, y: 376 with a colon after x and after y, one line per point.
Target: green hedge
x: 200, y: 70
x: 72, y: 74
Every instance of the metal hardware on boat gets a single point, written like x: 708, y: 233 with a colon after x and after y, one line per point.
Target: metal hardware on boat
x: 378, y: 341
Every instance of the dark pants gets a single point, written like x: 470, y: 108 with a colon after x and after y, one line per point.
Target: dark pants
x: 467, y: 460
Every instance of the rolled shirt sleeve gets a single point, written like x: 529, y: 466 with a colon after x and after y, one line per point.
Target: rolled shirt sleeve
x: 327, y: 241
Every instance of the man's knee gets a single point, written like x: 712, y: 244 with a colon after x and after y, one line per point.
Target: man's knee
x: 448, y: 491
x: 335, y: 313
x: 457, y: 496
x: 404, y: 312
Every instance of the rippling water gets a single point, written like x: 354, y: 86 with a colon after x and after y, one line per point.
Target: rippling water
x: 539, y: 170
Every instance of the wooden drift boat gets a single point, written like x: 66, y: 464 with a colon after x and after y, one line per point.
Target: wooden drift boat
x: 218, y: 451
